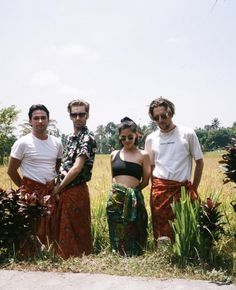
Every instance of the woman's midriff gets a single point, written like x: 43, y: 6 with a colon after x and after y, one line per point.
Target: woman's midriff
x: 127, y: 181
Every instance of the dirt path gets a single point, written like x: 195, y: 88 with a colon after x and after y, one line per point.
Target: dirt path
x: 17, y: 280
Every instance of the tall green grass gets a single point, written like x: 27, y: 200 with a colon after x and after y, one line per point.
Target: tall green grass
x: 186, y: 227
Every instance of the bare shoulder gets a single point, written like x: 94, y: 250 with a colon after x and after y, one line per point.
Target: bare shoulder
x: 144, y: 156
x: 144, y: 153
x: 113, y: 154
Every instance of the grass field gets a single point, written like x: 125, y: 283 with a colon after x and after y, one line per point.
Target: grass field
x: 153, y: 263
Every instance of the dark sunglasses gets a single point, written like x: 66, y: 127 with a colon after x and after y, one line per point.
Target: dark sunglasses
x: 75, y: 115
x: 164, y: 116
x: 124, y: 138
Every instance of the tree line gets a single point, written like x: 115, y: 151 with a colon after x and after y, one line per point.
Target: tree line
x: 211, y: 137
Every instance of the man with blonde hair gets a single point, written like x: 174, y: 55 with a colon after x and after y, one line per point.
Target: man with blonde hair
x: 73, y: 220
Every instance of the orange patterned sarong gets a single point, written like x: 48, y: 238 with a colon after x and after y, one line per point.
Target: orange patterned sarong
x: 73, y: 222
x: 163, y: 192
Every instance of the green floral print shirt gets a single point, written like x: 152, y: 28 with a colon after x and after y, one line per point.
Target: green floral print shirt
x: 76, y: 145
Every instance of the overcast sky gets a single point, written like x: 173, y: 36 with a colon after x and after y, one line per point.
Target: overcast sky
x: 119, y: 56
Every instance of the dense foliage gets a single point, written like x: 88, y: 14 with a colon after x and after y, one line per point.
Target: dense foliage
x: 229, y: 162
x: 19, y: 212
x: 197, y: 226
x: 213, y: 137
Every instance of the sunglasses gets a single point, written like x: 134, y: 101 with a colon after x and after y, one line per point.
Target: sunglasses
x: 75, y: 115
x: 124, y: 138
x: 163, y: 116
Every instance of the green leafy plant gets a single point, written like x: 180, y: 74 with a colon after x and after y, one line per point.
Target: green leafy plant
x: 197, y: 226
x: 185, y: 226
x: 229, y: 162
x: 19, y: 212
x: 211, y: 225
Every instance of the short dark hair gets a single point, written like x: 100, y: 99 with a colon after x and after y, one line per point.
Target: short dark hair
x: 37, y: 107
x: 161, y: 102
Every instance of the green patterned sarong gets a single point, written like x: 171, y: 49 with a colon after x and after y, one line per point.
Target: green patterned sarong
x: 127, y: 220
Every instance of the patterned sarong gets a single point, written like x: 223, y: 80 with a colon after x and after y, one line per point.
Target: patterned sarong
x: 162, y: 193
x: 42, y: 226
x: 127, y: 220
x: 73, y: 222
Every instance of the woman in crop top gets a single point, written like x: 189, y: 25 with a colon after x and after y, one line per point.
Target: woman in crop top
x: 126, y: 212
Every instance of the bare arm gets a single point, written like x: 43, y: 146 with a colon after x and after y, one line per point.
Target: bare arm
x: 146, y: 171
x: 72, y: 173
x: 198, y: 173
x: 12, y: 170
x: 112, y: 156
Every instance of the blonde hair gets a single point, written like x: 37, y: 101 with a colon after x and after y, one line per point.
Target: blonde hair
x: 78, y: 103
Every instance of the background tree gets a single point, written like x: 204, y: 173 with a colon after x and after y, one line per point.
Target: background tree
x: 146, y: 130
x: 215, y: 124
x: 100, y: 137
x: 8, y: 116
x: 112, y: 137
x: 213, y: 137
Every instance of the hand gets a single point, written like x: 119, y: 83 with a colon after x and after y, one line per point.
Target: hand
x: 56, y: 191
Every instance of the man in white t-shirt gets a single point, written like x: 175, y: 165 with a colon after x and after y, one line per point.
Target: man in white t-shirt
x: 38, y: 157
x: 172, y: 149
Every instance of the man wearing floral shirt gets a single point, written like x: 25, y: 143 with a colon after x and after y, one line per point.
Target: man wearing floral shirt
x: 73, y: 217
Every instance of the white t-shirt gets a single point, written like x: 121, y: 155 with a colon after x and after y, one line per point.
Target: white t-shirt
x: 38, y: 156
x: 172, y: 153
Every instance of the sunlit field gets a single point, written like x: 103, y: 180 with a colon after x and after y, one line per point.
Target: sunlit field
x: 211, y: 183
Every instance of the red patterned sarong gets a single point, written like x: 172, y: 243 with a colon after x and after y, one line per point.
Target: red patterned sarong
x: 42, y: 226
x: 73, y: 222
x: 162, y: 193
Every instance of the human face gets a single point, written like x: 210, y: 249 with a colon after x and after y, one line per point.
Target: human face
x: 127, y: 138
x: 39, y: 121
x: 78, y: 116
x: 163, y: 118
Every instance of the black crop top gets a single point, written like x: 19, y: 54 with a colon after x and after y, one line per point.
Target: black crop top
x: 121, y: 167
